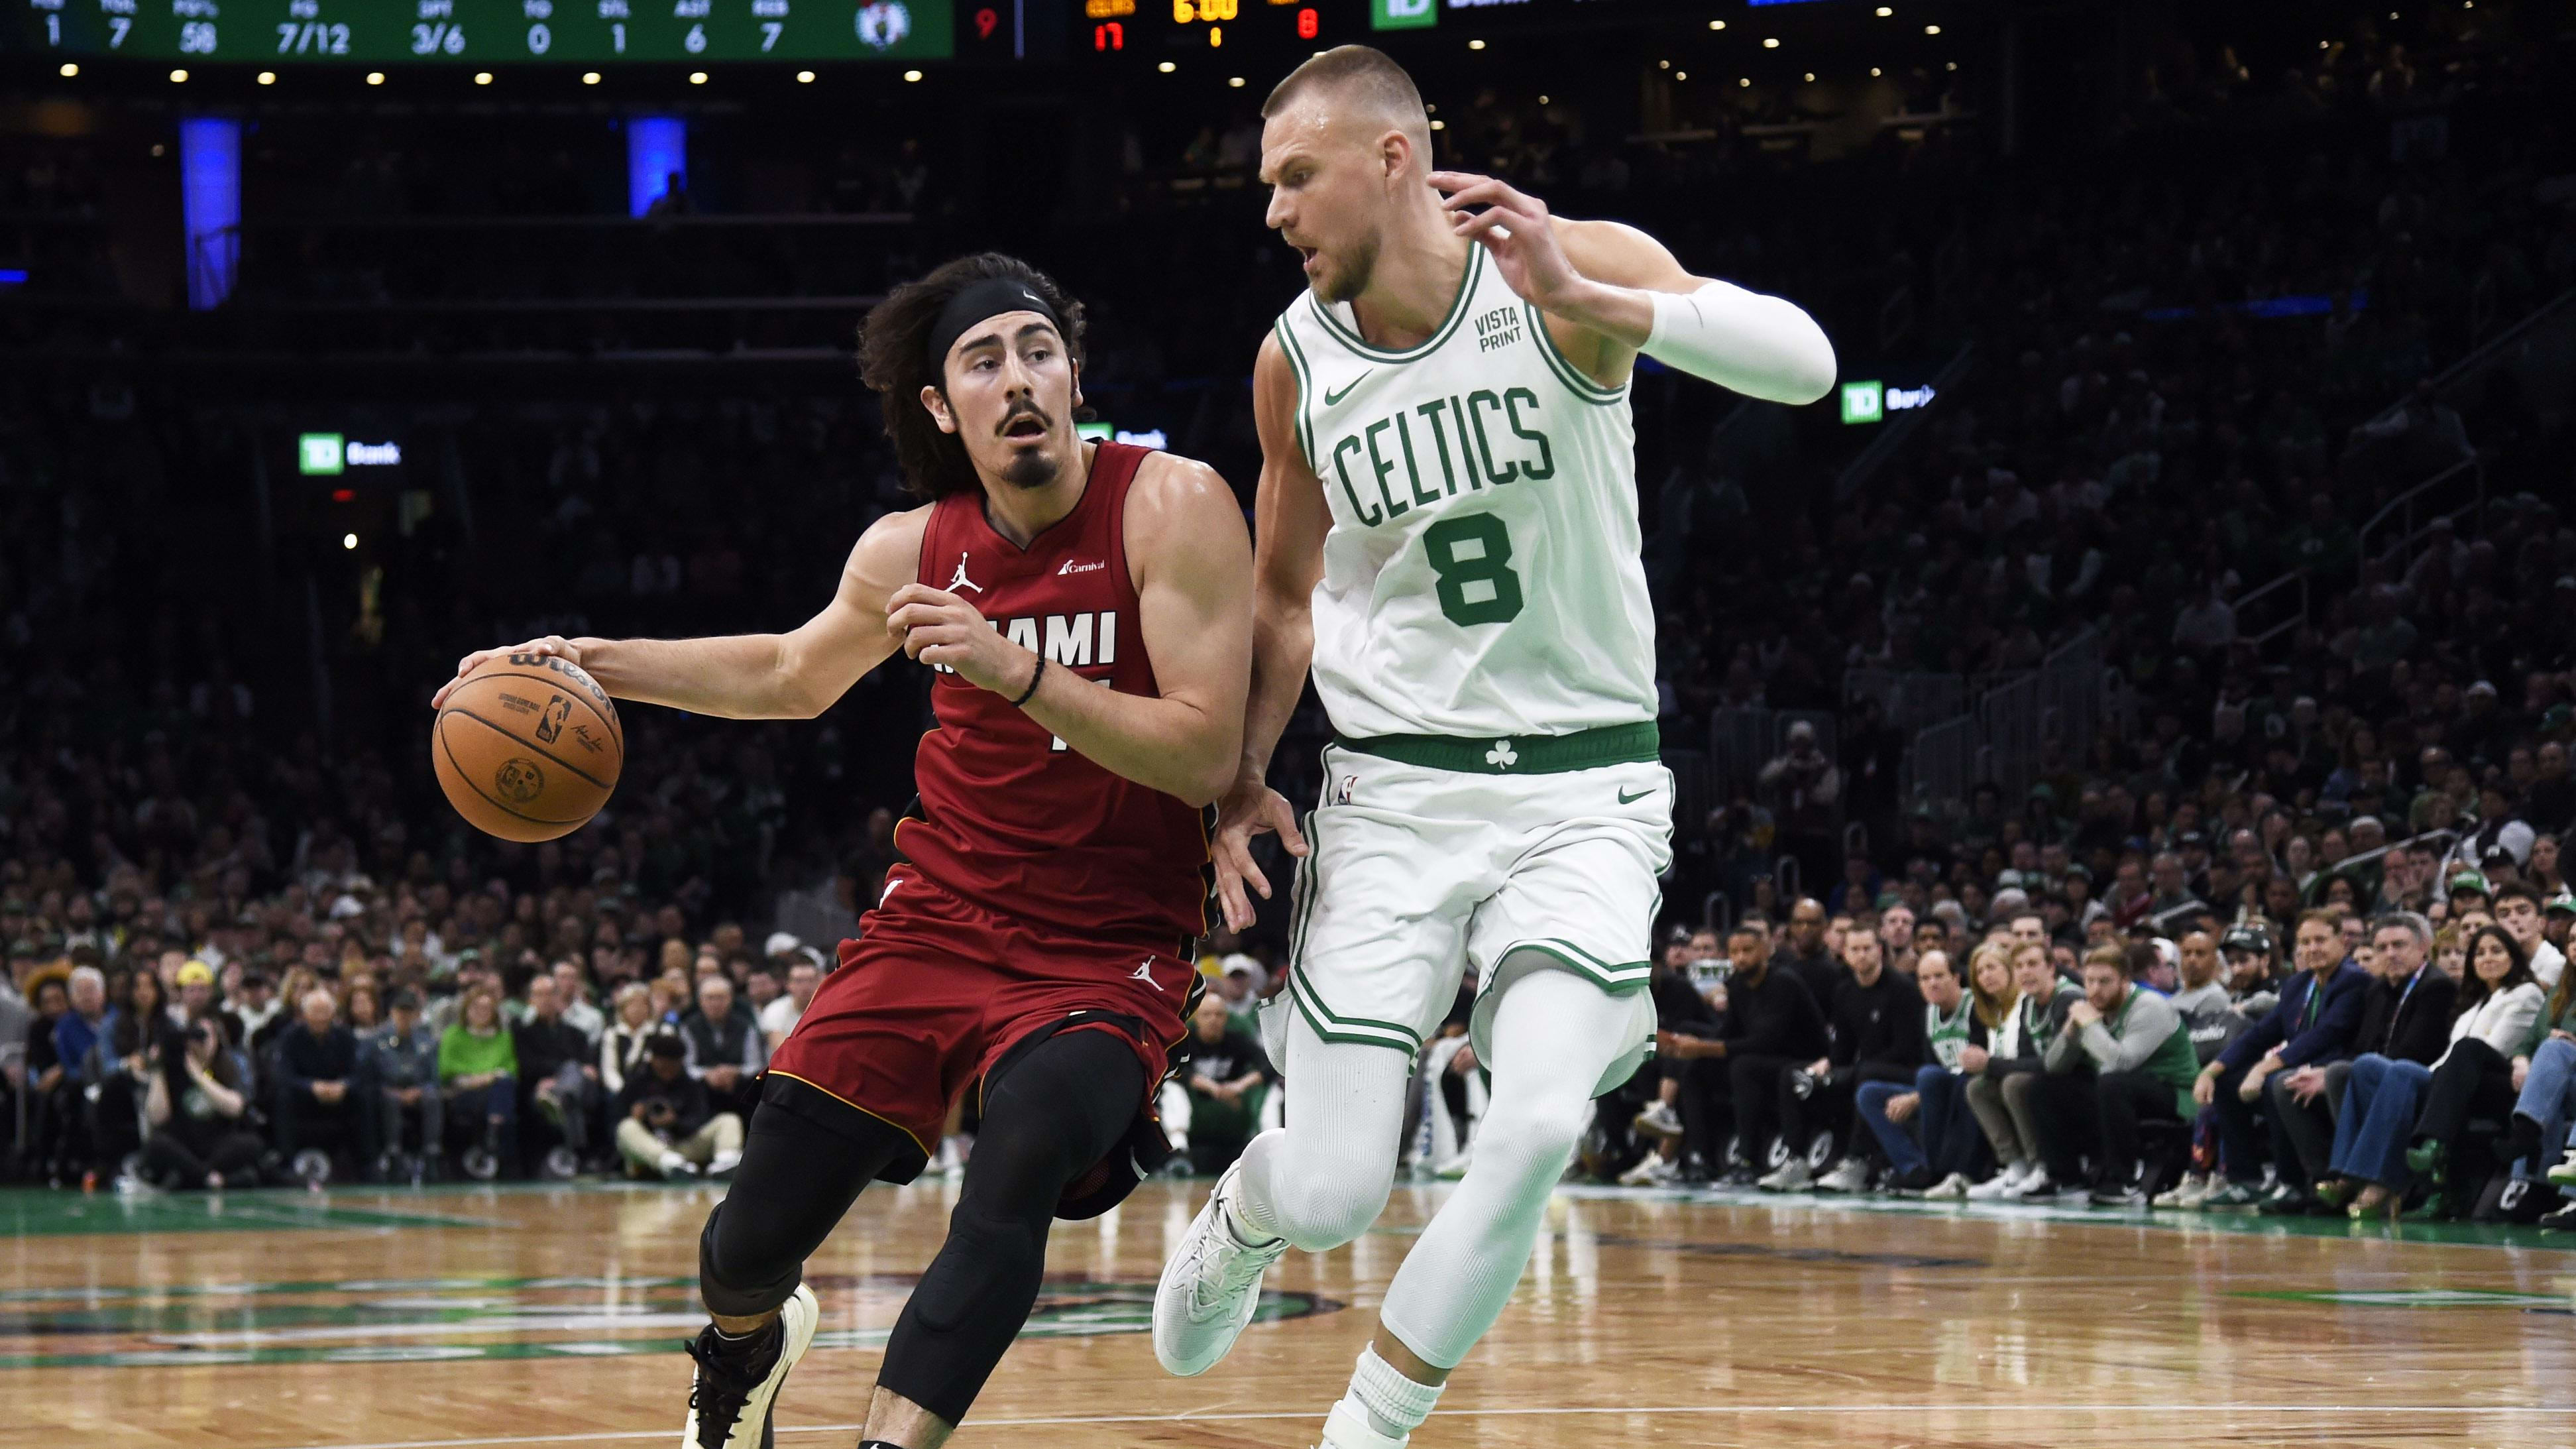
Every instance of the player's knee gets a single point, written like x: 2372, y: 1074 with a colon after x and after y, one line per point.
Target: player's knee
x: 738, y: 1276
x: 1533, y: 1138
x: 989, y: 1262
x: 1326, y: 1204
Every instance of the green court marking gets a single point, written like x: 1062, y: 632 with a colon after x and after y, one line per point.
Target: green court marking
x: 2417, y: 1298
x: 491, y: 1323
x: 38, y: 1213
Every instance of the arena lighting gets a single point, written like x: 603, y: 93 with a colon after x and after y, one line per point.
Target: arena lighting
x: 1542, y: 100
x: 178, y: 77
x: 1440, y: 125
x: 1931, y: 29
x: 1475, y: 45
x: 1717, y: 25
x: 804, y: 77
x: 697, y: 77
x: 70, y: 70
x: 1746, y: 82
x: 1950, y: 65
x: 210, y: 204
x: 1885, y: 11
x: 911, y: 76
x: 1770, y: 42
x: 482, y: 77
x: 1663, y: 65
x: 590, y: 77
x: 375, y: 77
x: 1811, y: 77
x: 1873, y: 70
x: 1681, y: 75
x: 1167, y: 67
x: 1234, y: 82
x: 267, y: 77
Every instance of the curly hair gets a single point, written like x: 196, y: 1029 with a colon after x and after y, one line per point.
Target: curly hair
x: 893, y: 359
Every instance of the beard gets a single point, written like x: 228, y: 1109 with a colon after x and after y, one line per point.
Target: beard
x: 1031, y: 467
x: 1352, y: 278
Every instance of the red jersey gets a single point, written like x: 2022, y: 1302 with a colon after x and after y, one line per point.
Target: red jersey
x: 1010, y: 818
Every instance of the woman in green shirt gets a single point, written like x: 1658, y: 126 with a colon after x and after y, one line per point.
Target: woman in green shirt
x: 478, y: 1071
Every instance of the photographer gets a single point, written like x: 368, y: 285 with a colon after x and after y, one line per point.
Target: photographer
x: 195, y: 1102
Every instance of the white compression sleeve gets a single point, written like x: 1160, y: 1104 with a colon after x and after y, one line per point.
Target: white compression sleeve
x: 1759, y: 346
x: 1554, y: 1034
x: 1322, y: 1179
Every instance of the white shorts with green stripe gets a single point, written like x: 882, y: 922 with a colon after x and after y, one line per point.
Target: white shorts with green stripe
x: 1415, y: 873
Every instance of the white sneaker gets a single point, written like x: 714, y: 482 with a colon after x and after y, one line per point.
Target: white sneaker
x: 2034, y: 1185
x: 1653, y: 1170
x: 1349, y: 1428
x: 724, y: 1164
x: 1660, y: 1120
x: 675, y: 1167
x: 1849, y: 1175
x: 730, y: 1411
x: 2185, y: 1195
x: 1953, y: 1188
x: 1210, y: 1287
x: 2002, y: 1185
x: 1790, y: 1176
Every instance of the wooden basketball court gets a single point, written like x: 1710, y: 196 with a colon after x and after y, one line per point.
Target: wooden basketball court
x: 545, y: 1316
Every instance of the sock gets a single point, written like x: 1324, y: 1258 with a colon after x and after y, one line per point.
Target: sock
x: 1395, y: 1405
x: 2522, y: 1139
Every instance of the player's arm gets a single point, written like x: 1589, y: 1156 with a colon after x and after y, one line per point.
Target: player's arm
x: 1621, y: 293
x: 795, y: 675
x: 1191, y: 562
x: 1290, y: 519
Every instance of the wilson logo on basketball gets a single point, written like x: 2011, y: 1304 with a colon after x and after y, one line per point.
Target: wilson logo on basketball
x: 519, y: 780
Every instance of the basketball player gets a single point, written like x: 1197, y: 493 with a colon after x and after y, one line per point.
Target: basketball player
x: 1448, y: 532
x: 1035, y: 943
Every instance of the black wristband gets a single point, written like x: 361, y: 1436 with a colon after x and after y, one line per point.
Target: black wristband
x: 1034, y: 676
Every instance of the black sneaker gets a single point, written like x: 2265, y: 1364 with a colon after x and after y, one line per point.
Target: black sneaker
x: 2561, y: 1221
x: 738, y: 1380
x: 2285, y: 1201
x: 1913, y: 1182
x: 2118, y: 1195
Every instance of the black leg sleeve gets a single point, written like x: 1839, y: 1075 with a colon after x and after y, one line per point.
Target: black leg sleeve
x: 1046, y: 1121
x: 798, y: 1177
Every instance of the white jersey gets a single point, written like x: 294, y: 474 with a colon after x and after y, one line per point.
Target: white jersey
x: 1481, y: 577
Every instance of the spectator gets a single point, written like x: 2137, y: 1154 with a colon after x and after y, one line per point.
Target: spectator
x: 2005, y: 1098
x: 195, y: 1103
x: 1681, y: 1011
x: 478, y: 1071
x: 725, y: 1047
x: 621, y: 1049
x: 574, y: 993
x: 1772, y: 1028
x: 2276, y: 1073
x: 1804, y: 951
x: 1876, y: 1033
x: 780, y: 1016
x: 42, y: 1074
x: 321, y: 1090
x: 666, y: 1123
x: 2127, y: 1049
x: 1212, y: 1105
x: 1803, y: 787
x: 2518, y: 910
x: 403, y: 1060
x: 557, y: 1074
x: 2378, y: 1117
x: 1947, y: 1158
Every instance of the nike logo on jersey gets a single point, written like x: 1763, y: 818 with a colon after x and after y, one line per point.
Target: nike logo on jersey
x: 1627, y: 799
x: 961, y: 581
x: 1145, y: 973
x: 1332, y: 399
x: 1081, y: 566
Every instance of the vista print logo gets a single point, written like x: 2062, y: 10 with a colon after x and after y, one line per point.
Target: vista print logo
x: 884, y: 24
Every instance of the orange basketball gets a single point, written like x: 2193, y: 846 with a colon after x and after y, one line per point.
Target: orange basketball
x: 527, y: 749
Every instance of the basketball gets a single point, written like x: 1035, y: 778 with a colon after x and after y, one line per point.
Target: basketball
x: 529, y: 749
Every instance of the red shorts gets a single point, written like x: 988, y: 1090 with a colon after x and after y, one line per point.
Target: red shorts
x: 936, y: 990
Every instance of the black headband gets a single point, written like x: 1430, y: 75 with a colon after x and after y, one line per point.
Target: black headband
x: 990, y: 297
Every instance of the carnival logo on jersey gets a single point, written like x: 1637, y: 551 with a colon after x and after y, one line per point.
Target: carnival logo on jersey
x: 1081, y: 566
x: 884, y: 24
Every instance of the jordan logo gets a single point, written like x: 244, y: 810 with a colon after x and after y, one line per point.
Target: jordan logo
x: 1145, y: 973
x: 961, y: 581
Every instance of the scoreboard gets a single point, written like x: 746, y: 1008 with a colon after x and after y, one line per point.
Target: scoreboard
x: 484, y: 31
x: 1111, y: 27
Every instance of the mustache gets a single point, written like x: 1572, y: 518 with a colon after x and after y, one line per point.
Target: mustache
x: 1021, y: 410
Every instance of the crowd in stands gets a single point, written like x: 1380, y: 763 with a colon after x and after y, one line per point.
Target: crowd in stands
x: 2408, y: 1047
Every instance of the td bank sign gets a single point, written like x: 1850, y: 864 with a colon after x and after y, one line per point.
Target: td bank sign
x: 1403, y: 14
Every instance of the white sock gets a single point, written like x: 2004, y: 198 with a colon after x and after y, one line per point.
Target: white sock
x: 1395, y: 1405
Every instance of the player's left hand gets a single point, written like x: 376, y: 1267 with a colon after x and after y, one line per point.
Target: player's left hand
x: 937, y: 627
x: 1514, y: 227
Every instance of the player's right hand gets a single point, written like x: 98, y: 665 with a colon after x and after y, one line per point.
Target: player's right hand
x: 1249, y: 809
x: 554, y: 644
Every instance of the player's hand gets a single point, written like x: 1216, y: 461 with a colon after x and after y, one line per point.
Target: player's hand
x: 554, y: 644
x: 1249, y: 809
x: 1514, y: 227
x: 937, y: 627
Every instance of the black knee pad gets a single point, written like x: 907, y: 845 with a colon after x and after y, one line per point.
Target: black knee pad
x: 965, y: 1311
x: 734, y: 1278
